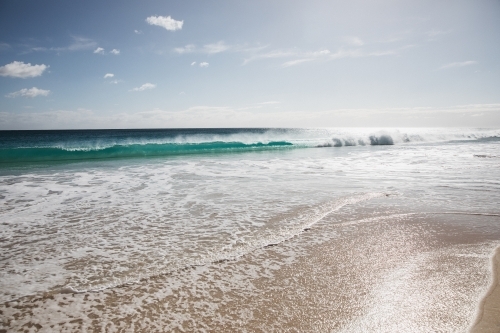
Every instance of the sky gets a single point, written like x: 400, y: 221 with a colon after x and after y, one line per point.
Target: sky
x: 261, y: 63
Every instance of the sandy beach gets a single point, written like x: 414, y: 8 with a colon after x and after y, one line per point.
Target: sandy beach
x: 488, y: 317
x: 383, y: 273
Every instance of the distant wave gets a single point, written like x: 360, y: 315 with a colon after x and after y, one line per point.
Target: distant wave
x: 393, y: 137
x: 42, y: 154
x: 44, y: 146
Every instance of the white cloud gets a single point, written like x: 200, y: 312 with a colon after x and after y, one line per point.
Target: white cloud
x: 99, y: 50
x: 115, y: 51
x: 296, y: 62
x: 138, y: 32
x: 108, y: 75
x: 208, y: 48
x: 33, y: 92
x: 115, y: 81
x: 145, y: 86
x: 203, y: 64
x: 459, y: 64
x: 165, y: 22
x: 186, y: 49
x: 193, y: 63
x: 215, y: 47
x: 352, y: 40
x: 22, y: 70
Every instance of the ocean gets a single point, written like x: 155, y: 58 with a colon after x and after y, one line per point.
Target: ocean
x: 247, y: 230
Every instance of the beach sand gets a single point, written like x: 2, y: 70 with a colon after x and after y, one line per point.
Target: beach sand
x: 488, y: 318
x: 384, y: 272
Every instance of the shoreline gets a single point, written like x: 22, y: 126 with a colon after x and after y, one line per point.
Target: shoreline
x: 488, y: 314
x: 391, y: 272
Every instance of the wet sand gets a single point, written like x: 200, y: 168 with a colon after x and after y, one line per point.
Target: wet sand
x: 488, y: 318
x: 384, y: 272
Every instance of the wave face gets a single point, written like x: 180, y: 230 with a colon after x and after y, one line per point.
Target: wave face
x: 45, y: 146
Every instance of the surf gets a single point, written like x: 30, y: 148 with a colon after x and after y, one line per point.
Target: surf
x: 27, y: 147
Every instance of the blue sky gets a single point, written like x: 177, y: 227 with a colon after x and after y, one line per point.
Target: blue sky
x: 152, y: 63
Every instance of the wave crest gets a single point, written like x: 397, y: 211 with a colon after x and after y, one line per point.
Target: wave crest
x: 41, y: 146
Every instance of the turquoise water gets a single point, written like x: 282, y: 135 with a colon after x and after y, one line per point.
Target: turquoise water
x: 27, y: 147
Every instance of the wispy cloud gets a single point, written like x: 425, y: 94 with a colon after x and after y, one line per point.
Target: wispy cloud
x: 458, y: 64
x: 145, y: 86
x: 269, y: 103
x: 109, y: 75
x: 100, y: 50
x: 296, y: 62
x: 81, y: 43
x: 297, y: 57
x: 215, y: 47
x: 436, y: 33
x: 138, y: 32
x: 302, y: 57
x: 4, y: 46
x: 21, y: 70
x: 165, y: 22
x: 207, y: 48
x: 355, y: 41
x: 39, y: 49
x: 33, y: 92
x: 214, y: 116
x: 78, y: 44
x: 275, y: 54
x: 185, y: 49
x: 324, y: 55
x: 201, y: 64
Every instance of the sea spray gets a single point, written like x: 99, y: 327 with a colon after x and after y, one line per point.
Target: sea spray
x: 25, y: 147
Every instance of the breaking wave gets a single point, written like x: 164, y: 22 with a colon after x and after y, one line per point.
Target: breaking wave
x: 43, y: 146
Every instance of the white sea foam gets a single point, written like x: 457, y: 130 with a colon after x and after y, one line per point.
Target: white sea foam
x: 92, y: 226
